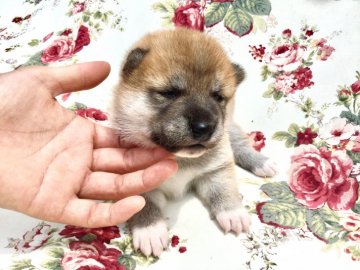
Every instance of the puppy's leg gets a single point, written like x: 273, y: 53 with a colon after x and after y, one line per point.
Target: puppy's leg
x: 219, y: 191
x: 246, y: 157
x: 148, y: 227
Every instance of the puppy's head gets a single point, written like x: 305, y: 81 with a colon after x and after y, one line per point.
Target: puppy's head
x: 175, y: 91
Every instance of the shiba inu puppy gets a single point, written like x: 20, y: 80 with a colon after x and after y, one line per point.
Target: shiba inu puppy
x: 177, y: 91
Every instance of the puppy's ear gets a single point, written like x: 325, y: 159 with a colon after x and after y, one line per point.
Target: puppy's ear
x: 239, y: 73
x: 133, y: 60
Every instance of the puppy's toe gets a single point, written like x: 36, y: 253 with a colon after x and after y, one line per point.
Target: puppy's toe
x: 236, y: 220
x: 268, y: 169
x: 153, y: 239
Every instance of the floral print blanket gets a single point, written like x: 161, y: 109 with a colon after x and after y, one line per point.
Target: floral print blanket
x: 299, y: 105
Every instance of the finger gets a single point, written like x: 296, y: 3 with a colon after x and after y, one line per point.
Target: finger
x: 90, y: 214
x: 106, y: 137
x: 119, y: 160
x: 72, y: 78
x: 109, y: 186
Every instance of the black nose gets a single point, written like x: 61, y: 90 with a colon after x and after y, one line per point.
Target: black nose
x: 202, y: 130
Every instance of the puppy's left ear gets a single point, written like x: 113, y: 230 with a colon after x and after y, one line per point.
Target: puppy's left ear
x: 239, y: 73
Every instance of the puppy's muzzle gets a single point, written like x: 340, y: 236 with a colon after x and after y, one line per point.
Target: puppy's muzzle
x: 202, y: 129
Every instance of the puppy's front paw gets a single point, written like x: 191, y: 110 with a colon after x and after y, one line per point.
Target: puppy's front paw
x: 268, y: 168
x: 236, y: 220
x: 152, y: 239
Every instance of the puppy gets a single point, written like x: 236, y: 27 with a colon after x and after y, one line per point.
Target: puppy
x: 177, y: 91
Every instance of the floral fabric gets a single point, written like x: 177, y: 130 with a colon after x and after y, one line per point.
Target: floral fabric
x: 299, y: 105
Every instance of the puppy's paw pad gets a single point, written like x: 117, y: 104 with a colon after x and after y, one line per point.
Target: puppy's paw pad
x: 268, y: 169
x: 237, y: 220
x: 153, y: 239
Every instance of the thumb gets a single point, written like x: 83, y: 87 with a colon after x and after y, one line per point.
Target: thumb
x: 72, y: 78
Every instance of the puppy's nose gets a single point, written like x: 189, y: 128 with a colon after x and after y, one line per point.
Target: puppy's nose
x: 202, y: 130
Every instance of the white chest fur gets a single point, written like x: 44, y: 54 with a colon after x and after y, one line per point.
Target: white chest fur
x: 177, y: 186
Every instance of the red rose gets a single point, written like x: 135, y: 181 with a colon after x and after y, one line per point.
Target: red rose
x: 355, y: 87
x: 66, y: 32
x: 257, y: 139
x: 318, y: 176
x: 82, y: 39
x: 91, y: 256
x: 104, y: 234
x: 17, y: 20
x: 175, y: 240
x: 309, y: 32
x: 92, y: 113
x: 189, y: 16
x: 303, y: 77
x: 60, y: 49
x: 182, y: 249
x: 286, y: 33
x: 305, y: 137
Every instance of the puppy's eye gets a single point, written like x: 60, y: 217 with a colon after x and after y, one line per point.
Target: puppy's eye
x: 218, y: 97
x: 170, y: 93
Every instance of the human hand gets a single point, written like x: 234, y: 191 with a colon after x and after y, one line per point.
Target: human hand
x: 54, y: 165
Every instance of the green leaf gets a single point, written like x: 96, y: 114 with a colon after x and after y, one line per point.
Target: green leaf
x: 277, y: 95
x: 56, y: 252
x: 89, y: 237
x: 316, y: 224
x: 356, y: 208
x: 77, y: 106
x: 290, y: 142
x: 127, y: 261
x: 355, y: 156
x: 294, y: 129
x: 238, y: 21
x: 34, y: 42
x: 215, y: 13
x: 281, y: 135
x: 265, y: 73
x: 351, y: 117
x: 279, y: 191
x: 34, y: 60
x: 86, y: 18
x: 281, y: 214
x: 324, y: 225
x: 255, y: 7
x: 165, y: 6
x: 269, y: 93
x: 22, y: 264
x: 97, y: 15
x: 53, y: 265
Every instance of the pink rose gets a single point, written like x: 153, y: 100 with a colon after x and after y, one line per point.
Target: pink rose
x: 82, y: 39
x: 318, y: 176
x: 285, y: 57
x: 325, y: 52
x: 355, y: 87
x: 104, y: 234
x: 257, y: 140
x: 60, y: 49
x: 91, y: 256
x: 189, y: 16
x: 78, y: 7
x: 33, y: 239
x: 48, y: 36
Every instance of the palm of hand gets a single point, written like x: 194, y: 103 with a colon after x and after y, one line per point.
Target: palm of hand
x: 53, y: 158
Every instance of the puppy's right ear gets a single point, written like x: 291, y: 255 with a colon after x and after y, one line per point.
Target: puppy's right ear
x: 133, y: 60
